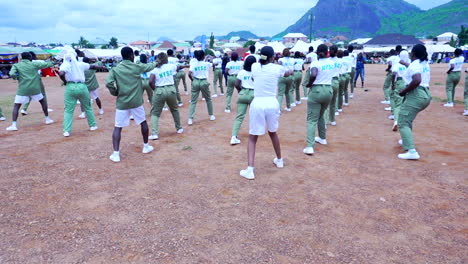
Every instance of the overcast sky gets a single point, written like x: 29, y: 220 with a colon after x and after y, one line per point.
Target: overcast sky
x: 65, y: 21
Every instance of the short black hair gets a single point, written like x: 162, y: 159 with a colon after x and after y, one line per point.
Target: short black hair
x: 339, y: 54
x: 248, y: 63
x: 297, y: 54
x: 311, y: 49
x: 322, y: 51
x: 126, y: 53
x: 200, y: 55
x: 350, y: 48
x: 392, y: 52
x: 86, y: 60
x: 333, y: 50
x: 345, y: 53
x: 143, y: 58
x: 419, y: 51
x: 458, y: 52
x: 170, y: 52
x: 234, y: 56
x: 33, y: 55
x: 78, y: 53
x: 398, y: 48
x: 26, y: 56
x: 252, y: 49
x: 268, y: 52
x: 137, y: 53
x: 179, y: 56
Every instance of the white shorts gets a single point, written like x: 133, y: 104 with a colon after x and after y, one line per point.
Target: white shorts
x: 94, y: 94
x: 264, y: 114
x: 21, y: 99
x: 122, y: 117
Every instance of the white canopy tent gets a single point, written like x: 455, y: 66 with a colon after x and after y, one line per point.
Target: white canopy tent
x: 439, y: 48
x: 102, y: 53
x: 378, y: 49
x: 259, y: 46
x: 301, y: 46
x: 277, y: 46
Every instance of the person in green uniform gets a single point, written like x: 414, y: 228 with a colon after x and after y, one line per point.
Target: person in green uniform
x: 453, y: 76
x: 2, y: 117
x: 93, y: 85
x: 335, y: 85
x: 244, y: 85
x: 416, y: 98
x: 124, y: 82
x: 181, y: 74
x: 285, y: 84
x: 388, y: 78
x: 145, y: 79
x: 199, y: 75
x: 71, y: 72
x: 310, y: 57
x: 341, y: 82
x: 232, y: 69
x: 399, y: 82
x: 320, y: 95
x: 24, y: 110
x: 162, y: 82
x: 29, y: 86
x: 218, y: 74
x: 297, y: 78
x: 352, y: 82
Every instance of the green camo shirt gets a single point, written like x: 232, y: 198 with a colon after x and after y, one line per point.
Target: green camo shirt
x: 91, y: 81
x: 124, y: 81
x: 29, y: 82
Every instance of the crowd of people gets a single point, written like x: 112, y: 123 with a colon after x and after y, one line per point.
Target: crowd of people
x: 327, y: 86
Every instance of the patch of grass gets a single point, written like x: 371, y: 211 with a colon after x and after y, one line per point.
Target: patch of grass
x: 437, y: 83
x: 187, y: 148
x: 6, y: 103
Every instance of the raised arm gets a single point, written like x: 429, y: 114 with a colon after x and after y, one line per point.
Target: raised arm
x: 42, y: 64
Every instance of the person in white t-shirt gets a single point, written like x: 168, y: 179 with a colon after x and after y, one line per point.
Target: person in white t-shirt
x: 264, y: 110
x: 342, y: 81
x: 417, y: 97
x: 162, y: 82
x: 297, y: 78
x: 320, y: 95
x: 252, y: 53
x: 330, y: 115
x: 244, y: 85
x: 136, y: 58
x: 310, y: 57
x: 232, y: 69
x: 181, y: 74
x: 72, y: 74
x: 174, y: 61
x: 348, y: 63
x: 285, y: 84
x: 453, y: 76
x: 217, y: 74
x: 399, y: 82
x: 388, y: 77
x: 199, y: 75
x: 465, y: 94
x: 352, y: 83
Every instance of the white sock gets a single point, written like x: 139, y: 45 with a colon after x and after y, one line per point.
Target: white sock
x: 13, y: 123
x: 412, y: 150
x: 280, y: 159
x: 250, y: 169
x: 146, y: 145
x: 116, y: 153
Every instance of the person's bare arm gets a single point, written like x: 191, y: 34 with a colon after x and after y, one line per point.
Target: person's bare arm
x: 313, y: 76
x: 152, y: 80
x: 238, y: 85
x: 415, y: 82
x: 62, y: 77
x: 451, y: 68
x: 190, y: 76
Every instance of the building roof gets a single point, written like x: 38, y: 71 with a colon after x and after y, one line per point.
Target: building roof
x: 340, y: 37
x: 139, y: 42
x: 295, y: 35
x: 155, y: 46
x: 447, y: 35
x: 393, y: 39
x: 182, y: 44
x: 359, y: 41
x: 166, y: 45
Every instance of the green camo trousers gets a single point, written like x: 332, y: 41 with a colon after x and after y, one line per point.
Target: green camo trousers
x: 73, y: 92
x: 452, y: 80
x: 164, y: 95
x: 200, y: 85
x: 317, y: 102
x: 243, y: 102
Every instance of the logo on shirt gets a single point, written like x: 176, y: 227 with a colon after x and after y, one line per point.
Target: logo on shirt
x: 200, y: 68
x: 247, y: 78
x: 165, y: 74
x: 328, y: 67
x: 235, y: 68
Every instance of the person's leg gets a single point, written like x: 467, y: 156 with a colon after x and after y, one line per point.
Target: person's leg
x: 1, y: 113
x: 332, y: 106
x: 215, y: 81
x: 156, y: 109
x: 149, y: 93
x: 179, y: 99
x: 289, y: 92
x: 346, y: 96
x: 242, y: 106
x: 449, y: 88
x: 83, y: 96
x: 399, y: 86
x: 251, y: 150
x: 26, y: 106
x: 456, y: 80
x: 15, y: 112
x: 281, y: 90
x: 276, y: 143
x: 70, y: 103
x: 321, y: 124
x: 363, y: 72
x: 144, y: 131
x: 305, y: 82
x: 386, y: 86
x: 193, y: 101
x: 205, y: 90
x: 220, y: 78
x: 177, y: 79
x: 99, y: 104
x: 43, y: 103
x: 297, y: 85
x: 353, y: 82
x: 355, y: 77
x: 313, y: 115
x: 342, y: 80
x: 465, y: 94
x: 230, y: 90
x: 184, y: 81
x: 171, y: 101
x: 116, y: 136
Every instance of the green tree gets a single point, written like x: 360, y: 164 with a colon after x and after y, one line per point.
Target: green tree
x: 209, y: 52
x: 113, y: 43
x: 82, y: 43
x: 104, y: 47
x: 453, y: 42
x: 211, y: 41
x: 248, y: 43
x: 463, y: 36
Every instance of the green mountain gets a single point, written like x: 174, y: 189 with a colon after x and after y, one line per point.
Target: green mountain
x: 445, y: 18
x: 242, y: 34
x: 366, y: 18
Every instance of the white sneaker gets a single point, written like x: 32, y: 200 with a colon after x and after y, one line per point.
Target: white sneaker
x: 190, y: 121
x: 304, y: 98
x: 82, y: 115
x: 93, y: 128
x: 395, y: 126
x: 222, y: 94
x: 165, y: 109
x: 351, y: 95
x: 235, y: 140
x: 12, y: 128
x: 153, y: 137
x: 388, y: 108
x: 179, y: 105
x: 249, y: 175
x: 49, y: 121
x: 227, y: 111
x: 448, y: 105
x: 308, y: 151
x: 115, y: 157
x: 203, y: 99
x: 465, y: 113
x: 50, y: 110
x: 346, y: 104
x: 66, y: 134
x: 2, y: 118
x: 337, y: 113
x: 214, y: 95
x: 333, y: 123
x: 400, y: 141
x: 287, y: 109
x: 101, y: 111
x: 293, y: 105
x: 131, y: 117
x: 298, y: 102
x: 340, y: 110
x: 78, y: 102
x: 409, y: 155
x: 180, y: 131
x: 212, y: 118
x: 147, y: 149
x: 321, y: 141
x: 278, y: 162
x: 23, y: 112
x: 385, y: 102
x: 391, y: 117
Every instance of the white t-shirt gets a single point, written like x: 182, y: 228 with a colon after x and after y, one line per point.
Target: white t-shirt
x: 193, y: 60
x: 348, y: 61
x: 200, y: 69
x: 413, y: 68
x: 400, y: 70
x: 298, y: 64
x: 288, y: 63
x: 311, y: 57
x: 338, y: 65
x: 257, y: 57
x: 234, y: 67
x: 218, y: 62
x: 344, y: 65
x: 164, y: 74
x: 246, y: 79
x: 457, y: 62
x: 74, y: 75
x: 425, y: 74
x: 266, y: 79
x: 326, y: 70
x: 393, y: 59
x: 354, y: 57
x: 172, y: 60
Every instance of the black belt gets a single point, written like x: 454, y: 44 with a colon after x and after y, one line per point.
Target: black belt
x: 199, y: 79
x: 399, y: 79
x: 74, y: 82
x: 234, y: 75
x: 164, y: 86
x: 299, y: 71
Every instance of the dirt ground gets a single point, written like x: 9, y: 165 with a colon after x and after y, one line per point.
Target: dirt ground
x: 63, y: 201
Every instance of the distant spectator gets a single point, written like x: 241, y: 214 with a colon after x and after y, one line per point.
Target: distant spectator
x: 360, y: 69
